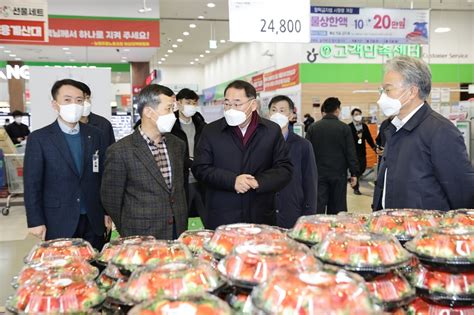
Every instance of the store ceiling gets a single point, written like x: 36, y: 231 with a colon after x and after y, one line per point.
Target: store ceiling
x: 176, y: 17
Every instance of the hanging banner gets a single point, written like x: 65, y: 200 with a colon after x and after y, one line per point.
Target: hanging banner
x: 369, y: 25
x: 282, y: 78
x: 257, y: 82
x: 24, y: 20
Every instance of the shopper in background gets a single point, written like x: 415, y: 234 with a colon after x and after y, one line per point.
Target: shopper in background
x: 143, y: 184
x: 299, y: 197
x: 102, y: 123
x: 425, y: 163
x: 17, y: 131
x: 361, y: 135
x: 188, y: 127
x: 334, y: 150
x: 62, y: 173
x: 243, y: 160
x: 308, y: 120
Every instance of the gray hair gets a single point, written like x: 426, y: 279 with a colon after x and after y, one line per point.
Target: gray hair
x: 414, y: 71
x: 149, y: 96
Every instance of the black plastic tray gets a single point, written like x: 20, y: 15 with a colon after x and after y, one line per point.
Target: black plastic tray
x: 446, y: 299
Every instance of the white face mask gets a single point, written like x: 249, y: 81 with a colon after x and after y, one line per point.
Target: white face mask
x: 165, y: 123
x: 18, y: 120
x: 390, y: 106
x: 71, y: 113
x: 87, y: 109
x: 234, y: 117
x: 280, y: 119
x: 357, y: 118
x: 189, y: 110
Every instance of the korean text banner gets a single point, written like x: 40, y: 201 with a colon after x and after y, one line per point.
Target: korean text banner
x: 282, y: 78
x: 25, y: 20
x: 369, y: 25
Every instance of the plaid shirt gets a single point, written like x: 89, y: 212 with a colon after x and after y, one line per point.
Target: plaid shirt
x: 160, y: 153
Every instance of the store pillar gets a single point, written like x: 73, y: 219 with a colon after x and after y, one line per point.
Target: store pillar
x: 16, y: 90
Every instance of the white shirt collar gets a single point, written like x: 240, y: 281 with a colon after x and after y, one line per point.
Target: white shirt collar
x: 399, y: 123
x: 68, y: 130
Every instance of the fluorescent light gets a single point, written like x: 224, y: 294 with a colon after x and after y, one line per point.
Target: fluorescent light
x: 207, y: 51
x: 144, y: 10
x: 72, y: 60
x: 17, y: 59
x: 7, y: 51
x: 163, y: 59
x: 124, y: 57
x: 192, y: 62
x: 126, y: 50
x: 123, y: 60
x: 196, y: 59
x: 201, y: 17
x: 186, y: 33
x: 442, y: 30
x: 1, y: 47
x: 68, y: 53
x: 213, y: 44
x: 170, y: 51
x: 211, y: 5
x: 12, y: 55
x: 222, y: 41
x: 174, y: 46
x: 160, y: 62
x: 166, y: 55
x: 65, y: 48
x: 192, y: 25
x: 179, y: 40
x: 202, y: 56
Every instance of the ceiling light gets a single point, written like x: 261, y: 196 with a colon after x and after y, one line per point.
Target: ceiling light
x: 68, y: 52
x: 170, y: 51
x: 72, y: 60
x: 124, y: 57
x: 201, y: 17
x: 192, y: 25
x: 192, y: 62
x: 222, y: 41
x: 65, y: 48
x: 196, y: 59
x: 179, y: 40
x: 124, y: 61
x: 213, y: 44
x: 211, y: 5
x: 7, y: 51
x: 442, y: 30
x: 202, y: 56
x: 12, y: 55
x: 1, y: 47
x: 174, y: 46
x: 166, y: 55
x: 186, y: 33
x: 207, y: 51
x: 126, y: 50
x: 163, y: 59
x: 144, y: 9
x: 17, y: 59
x: 160, y: 62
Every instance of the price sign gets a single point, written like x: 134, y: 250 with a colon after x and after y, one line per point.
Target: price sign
x: 269, y: 21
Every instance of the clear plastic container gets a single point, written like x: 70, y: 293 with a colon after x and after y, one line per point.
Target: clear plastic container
x: 313, y: 292
x: 459, y: 218
x: 112, y: 248
x: 204, y: 304
x: 56, y: 294
x: 404, y: 224
x: 227, y: 237
x: 195, y: 240
x: 104, y: 282
x: 172, y: 280
x: 207, y: 257
x: 362, y: 252
x: 53, y: 265
x: 314, y: 228
x: 446, y: 248
x: 362, y: 217
x: 113, y: 272
x: 422, y: 307
x: 130, y: 257
x: 62, y: 247
x: 444, y: 287
x: 252, y: 263
x: 391, y: 291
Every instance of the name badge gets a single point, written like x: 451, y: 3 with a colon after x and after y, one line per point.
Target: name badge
x: 95, y: 162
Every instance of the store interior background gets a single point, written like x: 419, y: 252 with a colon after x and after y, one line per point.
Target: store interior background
x: 187, y: 61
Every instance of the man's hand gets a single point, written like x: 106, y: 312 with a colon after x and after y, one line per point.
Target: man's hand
x: 353, y: 181
x: 108, y: 223
x: 20, y: 139
x: 38, y: 231
x: 379, y: 151
x: 243, y: 183
x: 253, y: 183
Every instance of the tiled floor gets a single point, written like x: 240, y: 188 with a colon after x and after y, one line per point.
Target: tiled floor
x: 15, y: 242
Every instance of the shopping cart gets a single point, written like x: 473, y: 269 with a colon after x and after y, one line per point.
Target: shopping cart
x: 14, y: 168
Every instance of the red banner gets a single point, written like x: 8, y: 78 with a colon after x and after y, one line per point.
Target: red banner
x: 80, y: 31
x: 257, y: 82
x: 282, y: 78
x: 22, y: 30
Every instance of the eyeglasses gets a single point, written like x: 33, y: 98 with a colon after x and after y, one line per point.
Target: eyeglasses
x: 236, y: 105
x: 388, y: 90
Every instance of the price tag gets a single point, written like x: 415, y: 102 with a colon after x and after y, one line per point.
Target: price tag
x: 269, y: 21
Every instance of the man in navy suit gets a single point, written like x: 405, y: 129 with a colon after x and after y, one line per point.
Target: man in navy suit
x: 62, y: 173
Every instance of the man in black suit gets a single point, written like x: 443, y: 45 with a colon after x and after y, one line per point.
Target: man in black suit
x: 335, y: 153
x: 62, y: 173
x: 17, y: 131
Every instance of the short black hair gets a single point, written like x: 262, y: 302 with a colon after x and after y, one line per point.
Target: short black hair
x: 149, y: 96
x: 250, y: 91
x: 355, y: 110
x: 280, y: 98
x: 187, y: 94
x: 17, y: 113
x: 85, y: 88
x: 58, y: 84
x: 330, y: 105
